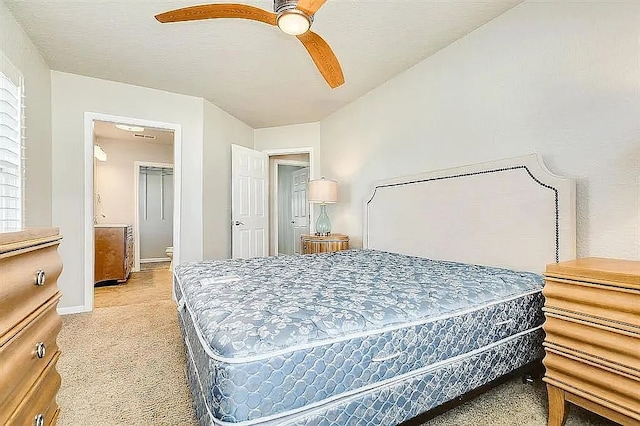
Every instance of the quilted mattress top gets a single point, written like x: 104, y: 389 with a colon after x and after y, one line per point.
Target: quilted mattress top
x: 252, y: 308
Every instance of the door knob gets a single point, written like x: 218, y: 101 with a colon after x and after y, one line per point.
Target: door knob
x: 238, y: 223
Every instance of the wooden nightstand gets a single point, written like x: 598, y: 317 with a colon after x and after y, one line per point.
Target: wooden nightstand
x: 592, y: 344
x: 330, y: 243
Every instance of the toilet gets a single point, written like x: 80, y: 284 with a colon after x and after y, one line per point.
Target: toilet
x: 169, y: 253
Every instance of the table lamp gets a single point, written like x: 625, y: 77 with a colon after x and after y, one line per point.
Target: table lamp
x: 323, y: 192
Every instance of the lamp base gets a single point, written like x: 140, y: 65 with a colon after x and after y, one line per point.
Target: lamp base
x: 322, y: 234
x: 323, y: 224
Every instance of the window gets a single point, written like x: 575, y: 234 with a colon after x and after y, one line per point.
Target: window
x: 11, y: 133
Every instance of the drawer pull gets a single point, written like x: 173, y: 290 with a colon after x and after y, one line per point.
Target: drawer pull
x: 40, y: 277
x: 39, y: 420
x: 41, y: 350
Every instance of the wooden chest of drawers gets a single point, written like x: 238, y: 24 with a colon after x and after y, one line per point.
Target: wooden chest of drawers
x: 319, y: 244
x: 29, y: 326
x: 113, y: 253
x: 592, y: 345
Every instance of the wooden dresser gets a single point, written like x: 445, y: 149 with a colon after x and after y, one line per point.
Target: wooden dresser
x: 327, y: 244
x: 114, y: 252
x: 592, y: 343
x: 29, y: 325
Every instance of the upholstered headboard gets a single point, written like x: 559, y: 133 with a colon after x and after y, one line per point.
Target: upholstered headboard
x: 511, y: 213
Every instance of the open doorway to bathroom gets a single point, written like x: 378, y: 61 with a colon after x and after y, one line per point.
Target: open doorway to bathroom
x: 133, y: 211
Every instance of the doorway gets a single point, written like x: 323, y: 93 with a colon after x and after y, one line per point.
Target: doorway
x: 113, y: 147
x: 254, y: 200
x: 153, y: 215
x: 290, y: 211
x: 291, y: 206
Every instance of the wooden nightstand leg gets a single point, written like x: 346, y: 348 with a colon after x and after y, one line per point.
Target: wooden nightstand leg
x: 558, y: 406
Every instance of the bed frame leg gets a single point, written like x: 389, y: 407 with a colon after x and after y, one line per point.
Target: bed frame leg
x: 558, y: 406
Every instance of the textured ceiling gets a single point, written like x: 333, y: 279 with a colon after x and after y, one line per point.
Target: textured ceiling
x: 106, y: 130
x: 250, y: 69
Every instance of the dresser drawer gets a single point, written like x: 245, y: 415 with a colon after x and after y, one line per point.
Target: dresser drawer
x: 611, y: 303
x: 53, y: 412
x: 27, y: 281
x: 40, y: 401
x: 25, y: 356
x: 619, y: 347
x: 605, y: 386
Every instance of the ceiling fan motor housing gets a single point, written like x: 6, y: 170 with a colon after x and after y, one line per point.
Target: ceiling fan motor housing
x: 282, y: 6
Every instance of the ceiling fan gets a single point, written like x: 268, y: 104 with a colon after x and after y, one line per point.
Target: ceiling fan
x: 291, y: 16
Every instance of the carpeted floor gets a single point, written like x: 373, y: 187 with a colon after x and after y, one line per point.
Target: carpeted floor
x: 125, y: 365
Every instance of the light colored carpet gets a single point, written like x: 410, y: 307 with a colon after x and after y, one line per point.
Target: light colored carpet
x: 125, y: 366
x: 512, y: 404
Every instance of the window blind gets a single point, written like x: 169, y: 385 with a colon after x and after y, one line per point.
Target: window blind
x: 11, y: 133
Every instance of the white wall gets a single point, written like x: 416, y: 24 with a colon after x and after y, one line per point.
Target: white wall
x: 16, y: 46
x: 114, y: 178
x: 560, y: 79
x: 71, y: 97
x: 221, y: 130
x: 294, y: 136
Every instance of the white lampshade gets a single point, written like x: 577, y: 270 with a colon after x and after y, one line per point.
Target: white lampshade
x: 323, y: 191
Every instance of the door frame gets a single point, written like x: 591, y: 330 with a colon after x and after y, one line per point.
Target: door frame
x: 89, y: 237
x: 273, y: 196
x: 136, y: 210
x: 273, y: 240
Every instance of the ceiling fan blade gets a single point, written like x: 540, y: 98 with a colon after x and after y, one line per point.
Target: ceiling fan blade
x: 323, y: 57
x: 223, y: 10
x: 310, y: 6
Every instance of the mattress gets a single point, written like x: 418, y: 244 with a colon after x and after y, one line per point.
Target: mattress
x: 271, y: 338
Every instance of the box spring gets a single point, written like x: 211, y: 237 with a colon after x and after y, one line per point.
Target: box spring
x: 394, y: 401
x: 262, y: 390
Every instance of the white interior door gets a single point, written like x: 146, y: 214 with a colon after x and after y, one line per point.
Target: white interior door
x: 250, y: 213
x: 299, y: 206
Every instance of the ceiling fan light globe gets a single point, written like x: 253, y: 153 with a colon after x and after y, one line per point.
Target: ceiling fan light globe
x: 294, y: 22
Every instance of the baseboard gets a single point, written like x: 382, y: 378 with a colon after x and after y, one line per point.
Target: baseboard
x: 72, y: 310
x: 155, y: 260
